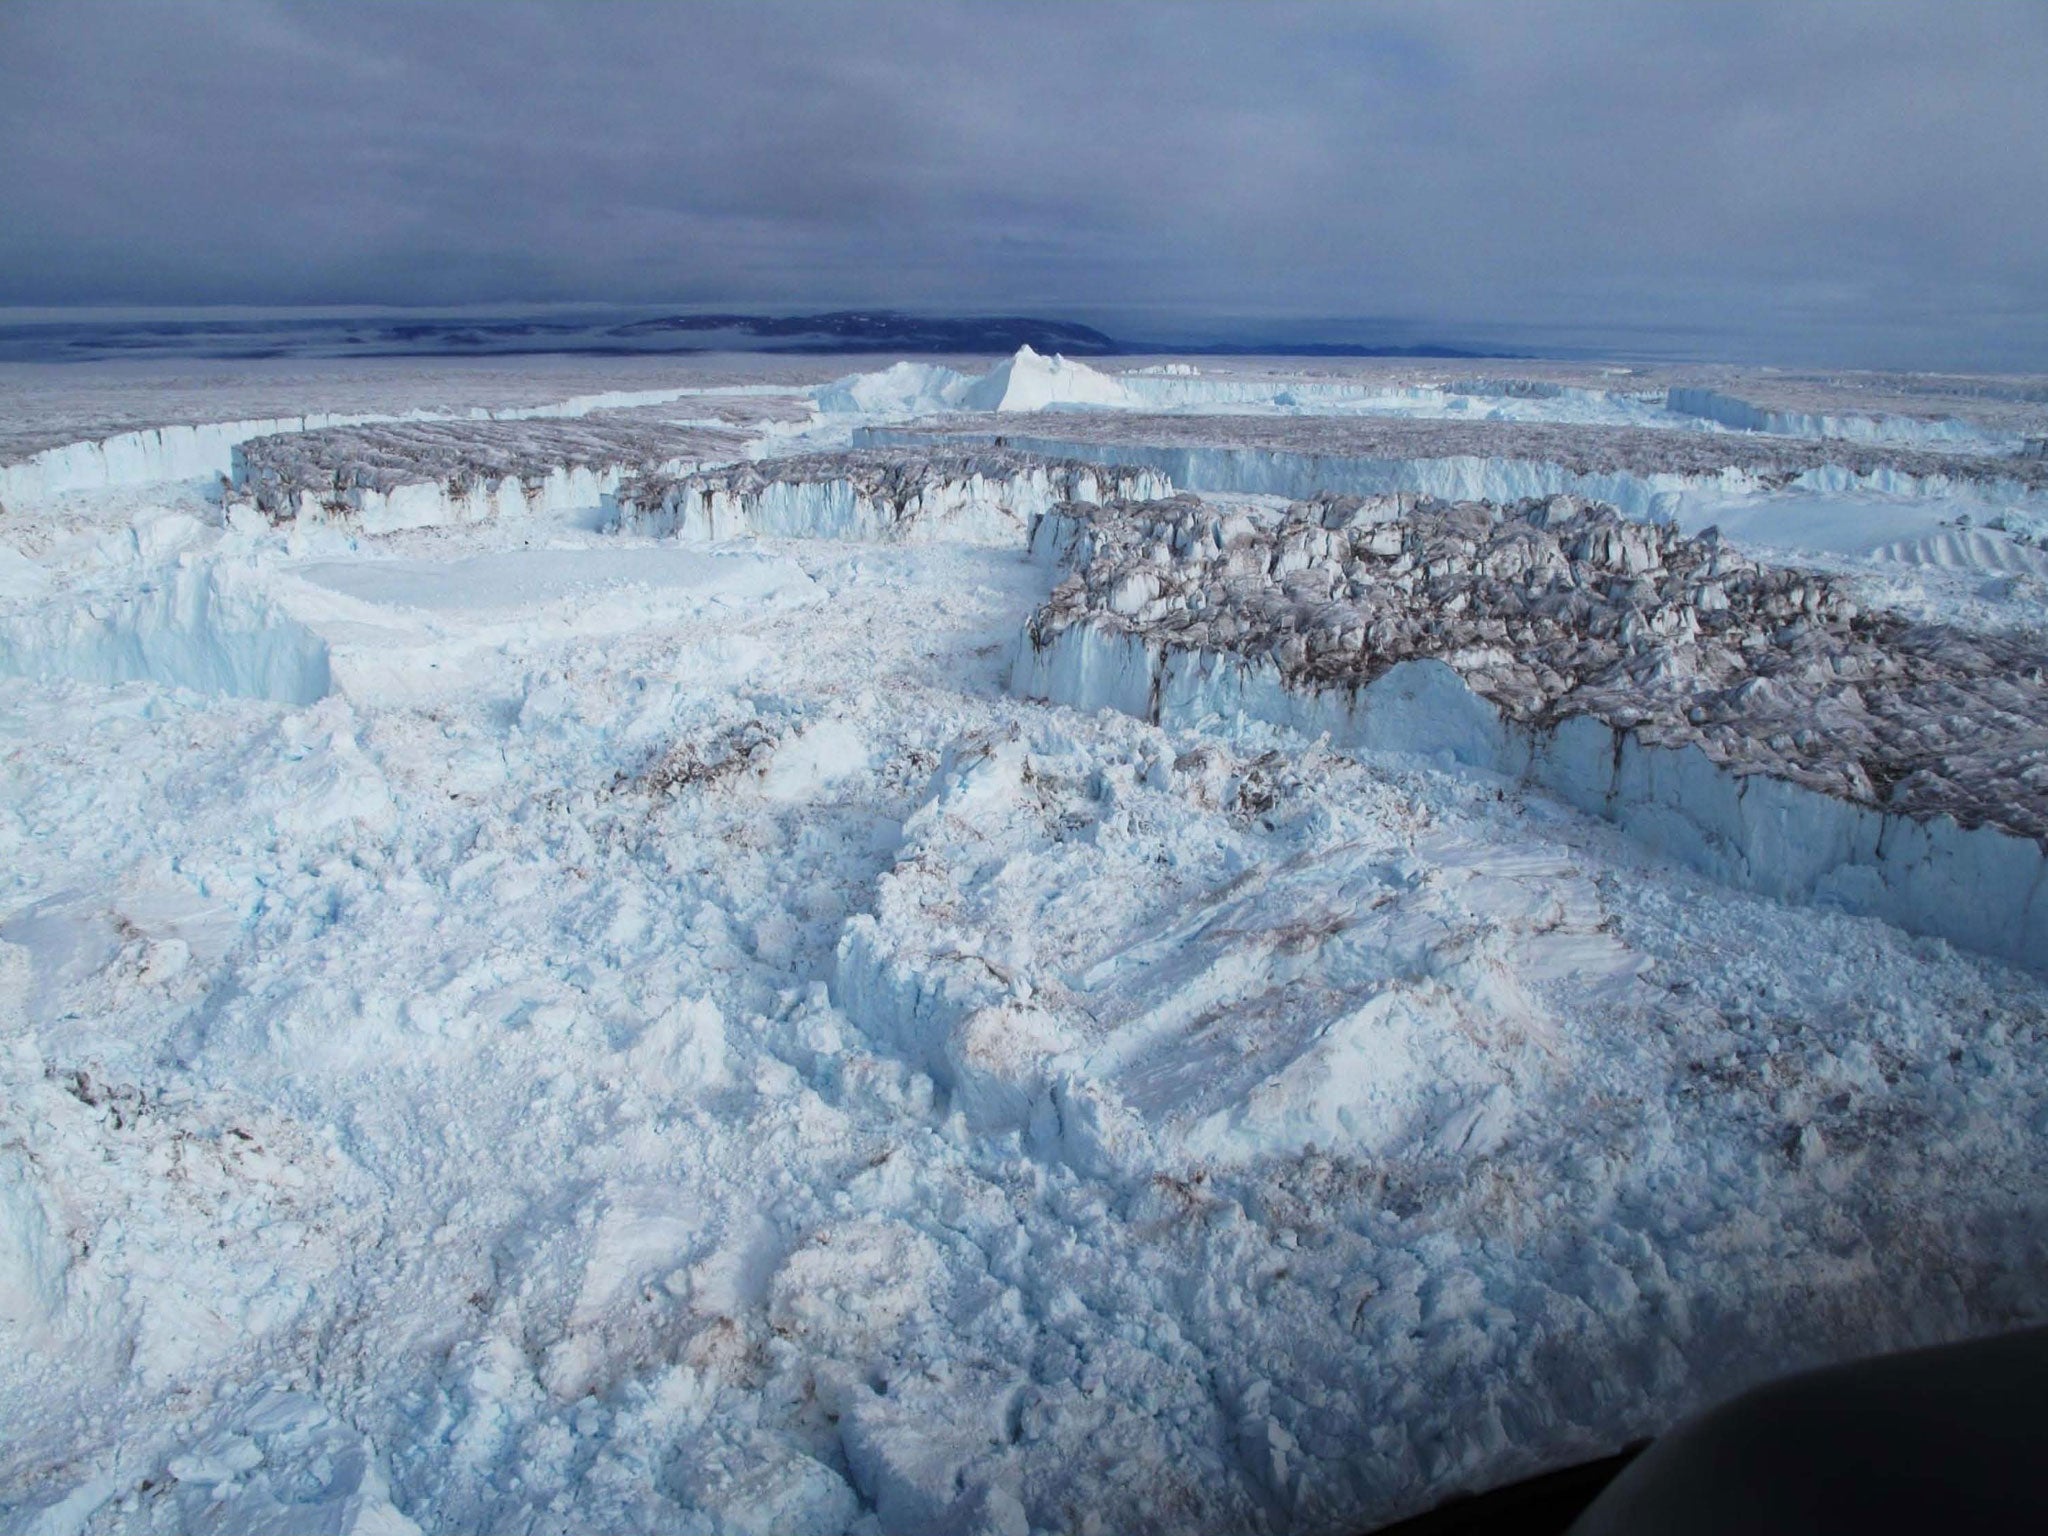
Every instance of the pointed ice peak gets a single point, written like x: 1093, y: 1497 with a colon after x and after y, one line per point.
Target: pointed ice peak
x: 1027, y: 380
x: 1030, y: 381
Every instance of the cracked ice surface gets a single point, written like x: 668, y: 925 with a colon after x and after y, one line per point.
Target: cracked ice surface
x: 665, y: 1037
x: 985, y: 497
x: 1261, y: 452
x: 1554, y: 609
x: 410, y: 474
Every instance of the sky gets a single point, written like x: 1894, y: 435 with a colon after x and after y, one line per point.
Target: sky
x: 1848, y: 184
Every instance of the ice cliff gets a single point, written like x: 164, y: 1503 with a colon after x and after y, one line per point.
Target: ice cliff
x: 206, y: 451
x: 1933, y: 432
x: 201, y: 625
x: 412, y: 474
x: 1645, y: 473
x: 1749, y: 719
x: 986, y: 497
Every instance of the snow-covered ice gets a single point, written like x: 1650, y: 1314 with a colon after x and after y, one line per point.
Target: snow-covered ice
x: 525, y: 1021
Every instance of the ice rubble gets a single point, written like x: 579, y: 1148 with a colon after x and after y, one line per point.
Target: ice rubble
x: 1750, y: 720
x: 284, y: 1466
x: 1322, y: 993
x: 670, y: 1041
x: 982, y: 497
x: 271, y: 1460
x: 409, y: 475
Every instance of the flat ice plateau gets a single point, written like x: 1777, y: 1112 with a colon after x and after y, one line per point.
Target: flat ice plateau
x: 1010, y: 946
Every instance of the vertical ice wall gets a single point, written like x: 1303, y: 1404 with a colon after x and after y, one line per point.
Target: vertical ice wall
x: 1657, y: 496
x: 1892, y: 430
x: 1979, y: 888
x: 196, y: 627
x: 970, y: 507
x: 157, y: 455
x: 435, y: 503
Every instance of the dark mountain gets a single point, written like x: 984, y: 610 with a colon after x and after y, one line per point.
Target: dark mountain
x: 885, y: 331
x: 605, y: 334
x: 619, y: 333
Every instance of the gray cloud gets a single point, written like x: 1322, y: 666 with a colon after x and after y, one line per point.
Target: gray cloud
x: 1859, y: 182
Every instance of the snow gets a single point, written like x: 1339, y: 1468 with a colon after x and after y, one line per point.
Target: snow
x: 510, y: 1024
x: 1967, y: 549
x: 574, y: 576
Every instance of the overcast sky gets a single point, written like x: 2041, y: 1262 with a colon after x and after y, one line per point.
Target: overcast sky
x: 1857, y: 183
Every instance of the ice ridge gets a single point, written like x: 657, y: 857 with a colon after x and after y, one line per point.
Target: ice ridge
x: 1602, y: 657
x: 986, y: 496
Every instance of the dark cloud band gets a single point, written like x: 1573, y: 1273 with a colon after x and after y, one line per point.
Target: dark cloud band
x: 1808, y: 180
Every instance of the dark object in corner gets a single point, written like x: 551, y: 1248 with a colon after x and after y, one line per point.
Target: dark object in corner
x: 1943, y: 1439
x: 1536, y: 1506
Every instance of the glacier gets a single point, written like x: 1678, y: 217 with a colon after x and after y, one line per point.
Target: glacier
x: 1731, y: 715
x: 731, y: 953
x: 1438, y: 469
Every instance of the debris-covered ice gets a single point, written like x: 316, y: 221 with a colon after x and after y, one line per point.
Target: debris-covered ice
x: 1643, y: 472
x: 1585, y: 638
x: 1555, y: 608
x: 986, y: 497
x: 418, y: 474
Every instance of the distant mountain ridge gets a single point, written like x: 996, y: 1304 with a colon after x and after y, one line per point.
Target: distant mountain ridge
x: 885, y: 330
x: 615, y: 334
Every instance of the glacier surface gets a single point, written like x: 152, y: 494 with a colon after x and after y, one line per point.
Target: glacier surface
x: 657, y: 960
